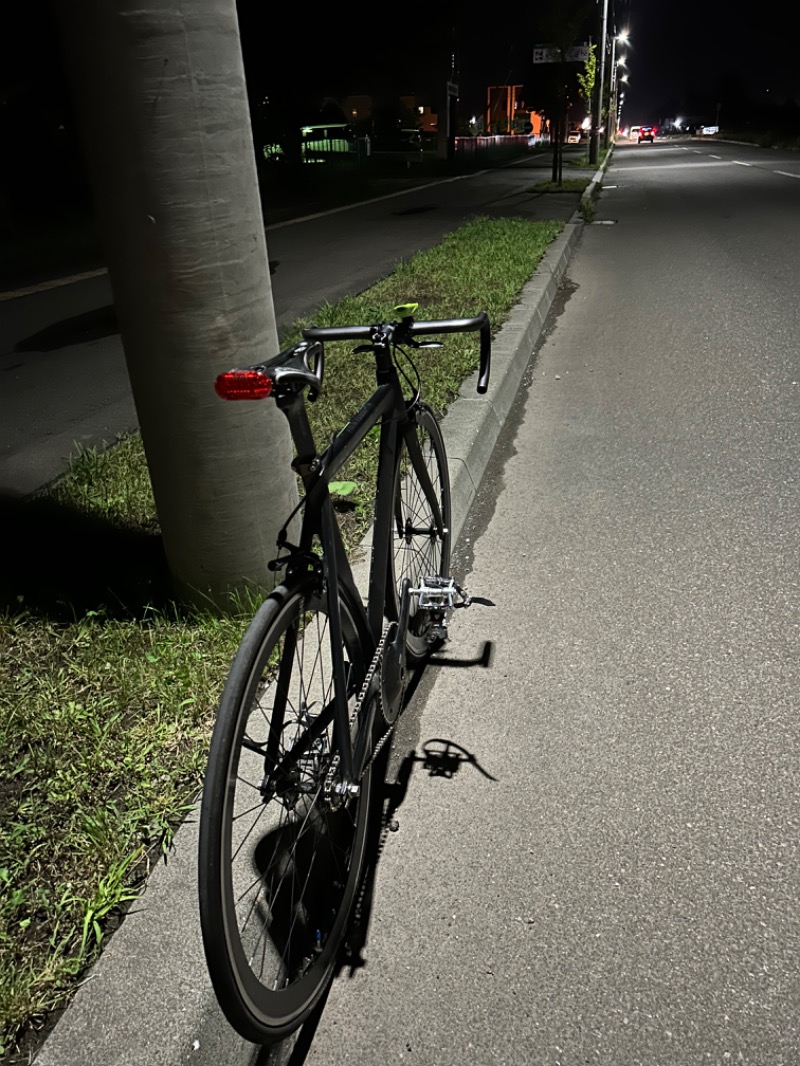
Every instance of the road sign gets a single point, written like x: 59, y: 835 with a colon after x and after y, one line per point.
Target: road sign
x: 544, y: 53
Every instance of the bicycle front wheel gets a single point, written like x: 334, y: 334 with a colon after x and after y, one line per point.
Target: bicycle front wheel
x: 280, y: 850
x: 419, y: 549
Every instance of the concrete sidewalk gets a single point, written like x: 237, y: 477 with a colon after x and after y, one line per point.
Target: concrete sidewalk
x: 148, y: 999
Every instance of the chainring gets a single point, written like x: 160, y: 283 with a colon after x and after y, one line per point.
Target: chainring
x: 393, y: 676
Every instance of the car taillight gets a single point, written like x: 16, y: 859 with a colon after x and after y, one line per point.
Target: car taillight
x: 243, y: 385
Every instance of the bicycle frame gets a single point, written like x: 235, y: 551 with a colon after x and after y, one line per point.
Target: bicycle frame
x: 385, y: 407
x: 286, y: 377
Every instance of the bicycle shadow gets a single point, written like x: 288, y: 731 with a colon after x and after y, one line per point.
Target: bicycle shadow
x: 438, y: 757
x: 484, y: 659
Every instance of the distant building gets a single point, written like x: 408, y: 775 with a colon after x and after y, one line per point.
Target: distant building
x: 505, y: 109
x: 361, y: 108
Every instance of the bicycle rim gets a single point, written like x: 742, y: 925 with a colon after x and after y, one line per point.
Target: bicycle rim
x: 279, y: 865
x: 418, y: 551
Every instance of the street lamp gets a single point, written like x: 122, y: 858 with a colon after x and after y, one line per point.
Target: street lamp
x: 624, y: 80
x: 620, y: 76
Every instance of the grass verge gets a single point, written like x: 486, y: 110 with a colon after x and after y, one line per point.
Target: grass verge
x: 108, y: 689
x: 567, y: 185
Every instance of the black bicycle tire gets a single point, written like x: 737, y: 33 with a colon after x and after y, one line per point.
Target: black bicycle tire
x: 259, y: 1014
x: 422, y: 561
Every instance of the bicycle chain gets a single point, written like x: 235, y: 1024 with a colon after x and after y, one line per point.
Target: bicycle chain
x: 371, y: 671
x: 377, y: 750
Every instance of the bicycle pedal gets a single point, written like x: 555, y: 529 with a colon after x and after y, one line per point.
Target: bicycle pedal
x: 436, y: 593
x: 442, y: 593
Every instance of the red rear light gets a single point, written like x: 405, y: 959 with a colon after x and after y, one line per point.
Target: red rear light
x: 243, y: 385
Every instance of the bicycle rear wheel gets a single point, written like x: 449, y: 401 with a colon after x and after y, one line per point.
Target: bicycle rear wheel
x: 280, y: 854
x: 418, y: 549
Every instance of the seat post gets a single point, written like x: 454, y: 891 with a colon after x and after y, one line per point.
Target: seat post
x: 292, y: 403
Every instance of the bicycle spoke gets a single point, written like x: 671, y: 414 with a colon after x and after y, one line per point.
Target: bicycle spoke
x: 419, y: 549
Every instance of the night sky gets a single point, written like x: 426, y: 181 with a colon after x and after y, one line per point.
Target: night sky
x: 681, y: 52
x: 688, y: 55
x: 686, y: 58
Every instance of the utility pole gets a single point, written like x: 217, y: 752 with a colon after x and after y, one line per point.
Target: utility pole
x: 162, y: 101
x: 558, y: 141
x: 594, y: 153
x: 611, y: 117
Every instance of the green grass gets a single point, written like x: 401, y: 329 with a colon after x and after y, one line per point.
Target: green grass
x: 567, y: 185
x: 106, y: 708
x: 114, y: 486
x: 103, y: 727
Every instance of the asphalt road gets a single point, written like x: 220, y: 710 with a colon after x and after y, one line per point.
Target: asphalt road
x: 597, y: 855
x: 623, y: 889
x: 611, y: 875
x: 65, y: 384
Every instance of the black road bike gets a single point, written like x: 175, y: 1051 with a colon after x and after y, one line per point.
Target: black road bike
x: 318, y: 682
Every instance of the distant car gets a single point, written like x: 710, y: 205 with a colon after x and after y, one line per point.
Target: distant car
x: 574, y: 137
x: 633, y: 133
x: 647, y: 133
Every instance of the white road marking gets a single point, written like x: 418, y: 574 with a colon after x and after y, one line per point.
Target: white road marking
x: 675, y: 166
x: 56, y: 283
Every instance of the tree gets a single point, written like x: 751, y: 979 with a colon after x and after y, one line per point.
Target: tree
x: 586, y: 78
x: 161, y: 94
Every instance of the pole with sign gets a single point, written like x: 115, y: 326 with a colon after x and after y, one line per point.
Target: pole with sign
x: 597, y: 110
x: 546, y: 53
